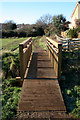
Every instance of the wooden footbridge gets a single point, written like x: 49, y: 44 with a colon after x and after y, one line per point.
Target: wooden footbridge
x: 40, y: 71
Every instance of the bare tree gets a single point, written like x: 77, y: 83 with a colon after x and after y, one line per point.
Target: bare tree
x: 44, y: 20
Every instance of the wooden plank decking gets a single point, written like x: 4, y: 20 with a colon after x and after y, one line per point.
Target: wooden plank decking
x: 40, y: 90
x: 41, y: 95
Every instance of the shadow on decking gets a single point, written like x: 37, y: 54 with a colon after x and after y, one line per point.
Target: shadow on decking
x: 32, y: 71
x: 40, y: 67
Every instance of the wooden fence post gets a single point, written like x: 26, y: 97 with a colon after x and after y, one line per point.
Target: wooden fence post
x: 68, y: 44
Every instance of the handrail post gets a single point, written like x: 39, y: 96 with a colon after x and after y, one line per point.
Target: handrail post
x: 21, y: 60
x: 59, y: 59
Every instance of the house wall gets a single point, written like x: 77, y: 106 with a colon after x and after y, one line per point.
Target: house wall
x: 75, y: 16
x: 78, y: 11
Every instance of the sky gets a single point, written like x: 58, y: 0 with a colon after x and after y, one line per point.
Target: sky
x: 29, y: 12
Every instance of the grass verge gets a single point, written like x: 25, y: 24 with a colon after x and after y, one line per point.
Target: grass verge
x: 11, y: 44
x: 70, y: 83
x: 10, y: 87
x: 10, y: 97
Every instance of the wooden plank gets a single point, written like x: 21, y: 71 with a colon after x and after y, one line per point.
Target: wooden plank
x: 42, y: 53
x: 43, y: 57
x: 40, y: 83
x: 44, y: 64
x: 46, y: 73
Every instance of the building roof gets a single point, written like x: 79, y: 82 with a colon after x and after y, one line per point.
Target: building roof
x: 75, y: 8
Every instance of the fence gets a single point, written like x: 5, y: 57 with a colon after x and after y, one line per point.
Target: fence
x: 55, y: 54
x: 25, y: 50
x: 69, y: 44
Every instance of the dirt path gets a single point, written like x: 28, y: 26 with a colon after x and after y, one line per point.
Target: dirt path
x: 36, y: 44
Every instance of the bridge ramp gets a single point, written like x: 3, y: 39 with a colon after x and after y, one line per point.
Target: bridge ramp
x: 41, y: 91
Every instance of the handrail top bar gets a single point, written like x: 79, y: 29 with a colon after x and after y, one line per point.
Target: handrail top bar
x: 25, y: 42
x: 55, y: 43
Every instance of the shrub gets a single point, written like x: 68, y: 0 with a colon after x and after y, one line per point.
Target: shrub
x: 71, y: 86
x: 10, y: 65
x: 21, y: 33
x: 9, y: 101
x: 72, y: 33
x: 9, y: 33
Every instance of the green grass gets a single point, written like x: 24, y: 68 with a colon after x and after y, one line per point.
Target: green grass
x: 10, y: 98
x: 10, y: 87
x: 11, y: 44
x: 42, y: 44
x: 39, y: 43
